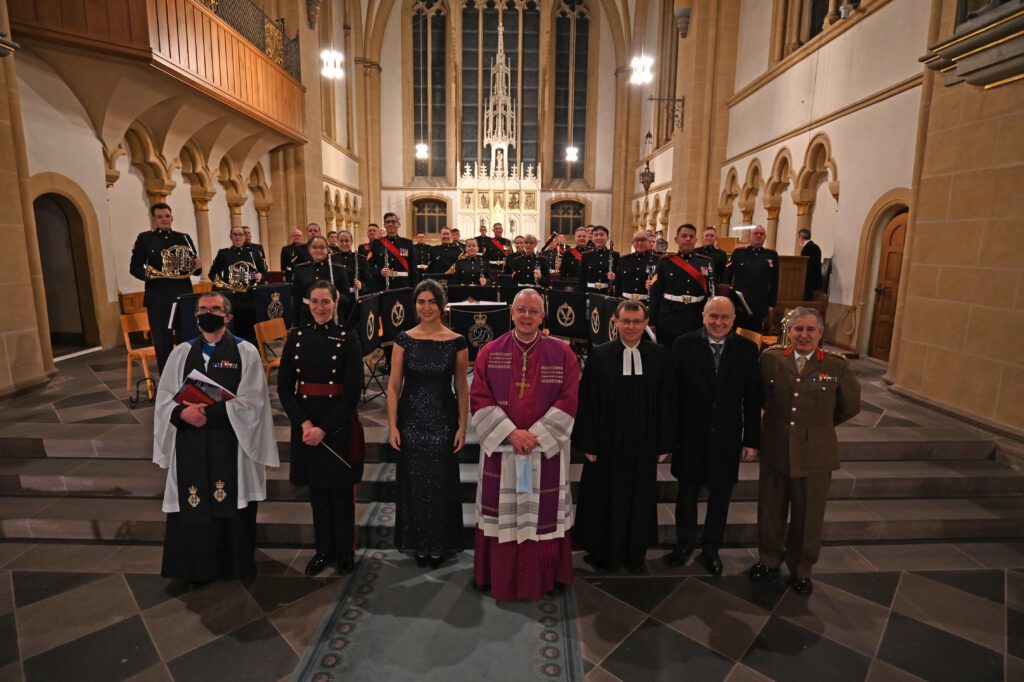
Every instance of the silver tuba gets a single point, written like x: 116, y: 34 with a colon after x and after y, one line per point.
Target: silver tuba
x: 241, y: 277
x: 177, y: 262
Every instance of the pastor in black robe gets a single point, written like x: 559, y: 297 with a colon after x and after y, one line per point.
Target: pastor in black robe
x: 626, y: 421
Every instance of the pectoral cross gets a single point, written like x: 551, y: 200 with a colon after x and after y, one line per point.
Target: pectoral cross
x: 522, y: 385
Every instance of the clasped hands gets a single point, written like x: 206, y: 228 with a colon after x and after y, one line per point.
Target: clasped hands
x: 522, y: 441
x: 194, y: 414
x: 312, y: 435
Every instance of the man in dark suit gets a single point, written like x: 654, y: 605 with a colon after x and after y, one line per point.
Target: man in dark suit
x: 813, y: 252
x: 719, y: 423
x: 754, y: 272
x: 807, y: 393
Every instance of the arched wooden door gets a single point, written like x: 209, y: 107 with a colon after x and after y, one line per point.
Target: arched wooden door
x: 889, y: 265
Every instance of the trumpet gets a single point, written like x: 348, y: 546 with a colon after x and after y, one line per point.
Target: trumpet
x: 177, y: 262
x: 241, y: 277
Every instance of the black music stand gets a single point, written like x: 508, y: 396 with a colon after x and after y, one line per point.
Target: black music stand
x: 567, y: 315
x: 480, y: 323
x: 274, y: 301
x: 368, y: 327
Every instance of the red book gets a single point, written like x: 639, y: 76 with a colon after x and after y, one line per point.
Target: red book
x: 199, y: 388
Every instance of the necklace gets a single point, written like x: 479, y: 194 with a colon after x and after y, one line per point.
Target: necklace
x: 525, y: 347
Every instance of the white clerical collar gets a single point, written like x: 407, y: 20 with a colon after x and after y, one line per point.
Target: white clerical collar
x: 631, y: 363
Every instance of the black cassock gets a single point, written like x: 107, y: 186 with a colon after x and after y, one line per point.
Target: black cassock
x: 627, y: 421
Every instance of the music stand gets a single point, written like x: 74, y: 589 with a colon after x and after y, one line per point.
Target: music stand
x: 567, y: 315
x: 479, y: 323
x: 274, y: 301
x: 368, y: 328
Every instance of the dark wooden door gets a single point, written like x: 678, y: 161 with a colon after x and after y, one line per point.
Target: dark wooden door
x: 889, y: 265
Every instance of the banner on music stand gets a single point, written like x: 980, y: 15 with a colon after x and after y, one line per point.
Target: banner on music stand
x: 457, y: 293
x: 570, y: 284
x: 567, y: 315
x: 397, y: 313
x: 600, y: 309
x: 274, y: 301
x: 480, y: 323
x: 610, y: 303
x: 368, y: 323
x: 186, y: 328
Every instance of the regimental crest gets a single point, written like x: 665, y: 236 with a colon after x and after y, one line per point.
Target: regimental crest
x: 193, y: 496
x: 565, y: 315
x: 613, y: 332
x: 481, y: 333
x: 595, y: 320
x: 275, y: 308
x: 219, y: 494
x: 397, y: 314
x: 371, y: 325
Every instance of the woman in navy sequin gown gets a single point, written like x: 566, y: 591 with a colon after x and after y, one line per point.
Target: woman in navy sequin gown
x: 428, y: 410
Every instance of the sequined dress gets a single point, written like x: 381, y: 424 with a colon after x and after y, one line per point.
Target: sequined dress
x: 429, y: 509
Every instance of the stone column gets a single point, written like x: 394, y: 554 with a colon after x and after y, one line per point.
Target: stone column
x: 833, y: 13
x: 159, y: 189
x: 201, y: 206
x: 272, y: 243
x: 771, y: 226
x: 794, y: 9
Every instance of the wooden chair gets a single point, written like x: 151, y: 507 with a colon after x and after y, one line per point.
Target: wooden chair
x: 133, y: 323
x: 266, y: 332
x: 203, y: 287
x: 747, y: 334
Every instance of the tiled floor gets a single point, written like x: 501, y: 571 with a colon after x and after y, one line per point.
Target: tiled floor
x: 69, y: 608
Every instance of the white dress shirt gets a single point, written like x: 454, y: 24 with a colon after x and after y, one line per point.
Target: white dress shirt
x: 631, y: 365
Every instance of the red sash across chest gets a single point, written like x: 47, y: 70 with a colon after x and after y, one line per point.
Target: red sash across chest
x: 395, y: 252
x: 691, y: 271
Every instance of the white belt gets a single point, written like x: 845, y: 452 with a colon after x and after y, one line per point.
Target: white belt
x: 422, y: 266
x: 399, y: 274
x: 496, y: 262
x: 636, y: 297
x: 596, y: 285
x: 684, y: 299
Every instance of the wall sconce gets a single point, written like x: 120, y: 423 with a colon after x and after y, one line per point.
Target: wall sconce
x: 7, y: 46
x: 683, y: 21
x: 332, y: 64
x: 642, y: 73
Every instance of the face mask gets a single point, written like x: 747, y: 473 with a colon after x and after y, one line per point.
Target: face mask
x: 209, y: 322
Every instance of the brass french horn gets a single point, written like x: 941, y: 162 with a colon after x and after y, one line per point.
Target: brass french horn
x: 177, y: 262
x: 241, y: 277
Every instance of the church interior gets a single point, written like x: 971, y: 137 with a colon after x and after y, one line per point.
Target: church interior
x: 892, y: 130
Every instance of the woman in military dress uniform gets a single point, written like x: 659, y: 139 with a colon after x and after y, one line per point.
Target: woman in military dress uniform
x: 319, y: 383
x: 244, y: 300
x: 323, y: 266
x: 471, y: 268
x: 366, y: 280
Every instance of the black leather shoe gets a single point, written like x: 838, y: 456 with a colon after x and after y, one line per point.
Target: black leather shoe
x: 679, y: 556
x: 422, y: 560
x: 346, y: 564
x: 802, y: 586
x: 759, y: 571
x: 712, y: 561
x: 316, y: 564
x: 436, y: 561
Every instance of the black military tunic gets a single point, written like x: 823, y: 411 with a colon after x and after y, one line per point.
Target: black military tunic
x: 292, y: 255
x: 594, y: 270
x: 384, y: 257
x: 161, y: 292
x: 424, y: 255
x: 260, y: 253
x: 522, y: 268
x: 490, y: 251
x: 754, y: 271
x: 678, y: 296
x: 243, y: 303
x: 321, y: 379
x: 443, y: 256
x: 368, y: 274
x: 632, y: 274
x: 308, y: 273
x: 718, y: 258
x: 470, y: 270
x: 572, y: 265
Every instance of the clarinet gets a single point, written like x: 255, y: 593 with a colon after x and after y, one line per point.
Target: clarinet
x: 330, y: 269
x: 611, y: 268
x: 387, y: 266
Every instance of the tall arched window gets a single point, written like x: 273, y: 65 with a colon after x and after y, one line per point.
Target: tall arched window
x: 429, y: 86
x: 521, y: 20
x: 572, y: 32
x: 429, y: 216
x: 566, y: 216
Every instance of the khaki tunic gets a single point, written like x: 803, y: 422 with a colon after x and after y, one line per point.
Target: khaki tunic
x: 798, y: 435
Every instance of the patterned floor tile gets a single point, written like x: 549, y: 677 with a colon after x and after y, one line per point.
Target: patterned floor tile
x: 255, y: 653
x: 657, y: 652
x: 935, y: 655
x: 883, y: 672
x: 959, y: 613
x: 788, y: 653
x: 33, y: 586
x: 741, y: 673
x: 150, y: 590
x: 298, y: 621
x: 273, y: 592
x: 714, y: 618
x: 763, y: 593
x: 877, y: 587
x: 111, y: 654
x: 640, y: 593
x: 603, y: 620
x: 989, y: 584
x: 8, y: 639
x: 1015, y: 633
x: 923, y: 557
x: 66, y: 617
x: 834, y: 613
x: 995, y: 554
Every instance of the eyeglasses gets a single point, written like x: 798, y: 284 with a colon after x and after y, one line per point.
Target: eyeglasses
x: 522, y: 310
x: 390, y: 222
x: 216, y: 310
x: 632, y: 323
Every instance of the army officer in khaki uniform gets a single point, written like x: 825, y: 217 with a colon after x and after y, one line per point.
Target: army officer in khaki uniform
x: 807, y: 392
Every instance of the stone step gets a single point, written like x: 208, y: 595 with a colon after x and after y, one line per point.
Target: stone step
x: 290, y: 523
x: 141, y: 479
x: 933, y: 443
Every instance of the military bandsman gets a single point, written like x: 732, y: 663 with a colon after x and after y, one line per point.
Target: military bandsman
x: 682, y: 283
x: 324, y: 267
x: 597, y: 269
x: 293, y: 254
x: 529, y: 269
x: 635, y: 271
x: 395, y: 256
x: 572, y: 260
x: 471, y: 268
x: 753, y: 271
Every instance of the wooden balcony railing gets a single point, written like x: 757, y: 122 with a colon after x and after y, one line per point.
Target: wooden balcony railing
x: 183, y: 38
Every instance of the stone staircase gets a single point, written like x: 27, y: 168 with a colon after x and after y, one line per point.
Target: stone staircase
x: 908, y: 475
